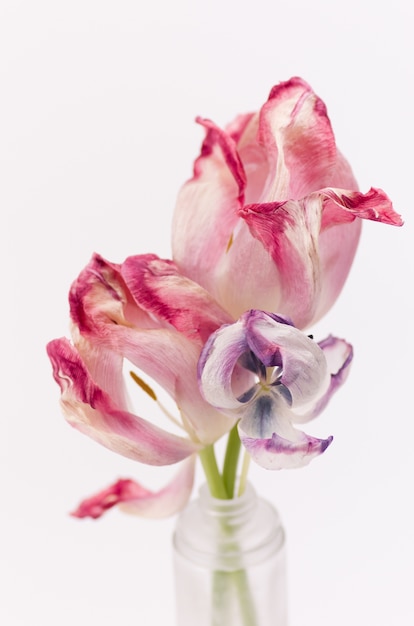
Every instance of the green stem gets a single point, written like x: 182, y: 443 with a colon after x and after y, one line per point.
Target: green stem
x: 230, y: 460
x: 213, y: 476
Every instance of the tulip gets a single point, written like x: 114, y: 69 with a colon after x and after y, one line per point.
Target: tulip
x: 143, y: 311
x: 269, y: 375
x: 272, y: 216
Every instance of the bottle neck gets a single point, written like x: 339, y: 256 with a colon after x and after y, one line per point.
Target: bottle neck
x: 236, y: 510
x: 222, y: 534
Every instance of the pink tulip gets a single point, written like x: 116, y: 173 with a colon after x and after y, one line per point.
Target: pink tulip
x: 271, y: 218
x: 146, y: 312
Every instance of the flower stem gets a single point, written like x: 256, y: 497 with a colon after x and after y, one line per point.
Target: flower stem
x: 230, y: 461
x: 245, y: 469
x: 213, y: 476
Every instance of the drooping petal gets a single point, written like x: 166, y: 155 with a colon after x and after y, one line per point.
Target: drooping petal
x: 342, y: 213
x: 88, y: 408
x: 278, y: 453
x: 133, y: 498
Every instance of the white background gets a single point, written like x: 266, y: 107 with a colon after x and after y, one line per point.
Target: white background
x: 96, y: 136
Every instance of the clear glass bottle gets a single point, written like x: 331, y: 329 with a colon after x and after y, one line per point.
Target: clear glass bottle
x: 229, y: 560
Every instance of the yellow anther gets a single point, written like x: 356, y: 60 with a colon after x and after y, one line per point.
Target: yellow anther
x: 144, y: 386
x: 230, y: 243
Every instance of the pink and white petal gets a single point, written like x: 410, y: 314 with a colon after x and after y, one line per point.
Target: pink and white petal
x: 131, y: 497
x: 122, y: 490
x: 297, y: 133
x: 253, y: 156
x: 339, y: 354
x: 342, y: 214
x: 237, y: 287
x: 278, y: 453
x: 206, y: 209
x: 170, y: 360
x: 157, y: 287
x: 341, y: 206
x: 99, y: 295
x: 169, y: 500
x: 289, y: 233
x: 305, y: 372
x: 217, y: 364
x: 89, y: 409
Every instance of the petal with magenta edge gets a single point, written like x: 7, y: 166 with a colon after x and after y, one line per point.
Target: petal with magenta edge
x: 133, y: 498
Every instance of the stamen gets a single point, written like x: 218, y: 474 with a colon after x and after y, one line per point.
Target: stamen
x: 145, y: 387
x: 230, y: 243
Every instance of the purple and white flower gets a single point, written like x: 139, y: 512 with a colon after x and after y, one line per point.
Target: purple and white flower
x: 269, y: 375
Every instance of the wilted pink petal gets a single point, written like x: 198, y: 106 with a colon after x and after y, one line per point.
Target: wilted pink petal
x: 133, y: 498
x: 89, y: 409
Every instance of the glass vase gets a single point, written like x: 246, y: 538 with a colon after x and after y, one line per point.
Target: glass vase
x: 229, y: 563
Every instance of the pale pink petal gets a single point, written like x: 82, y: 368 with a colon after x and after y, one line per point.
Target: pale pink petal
x: 289, y: 232
x: 205, y: 213
x: 88, y: 408
x: 133, y: 498
x: 298, y: 137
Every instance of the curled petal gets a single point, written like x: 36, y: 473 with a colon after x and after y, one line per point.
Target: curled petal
x: 92, y: 411
x: 340, y: 206
x: 217, y: 138
x: 278, y: 453
x: 133, y: 498
x: 158, y: 287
